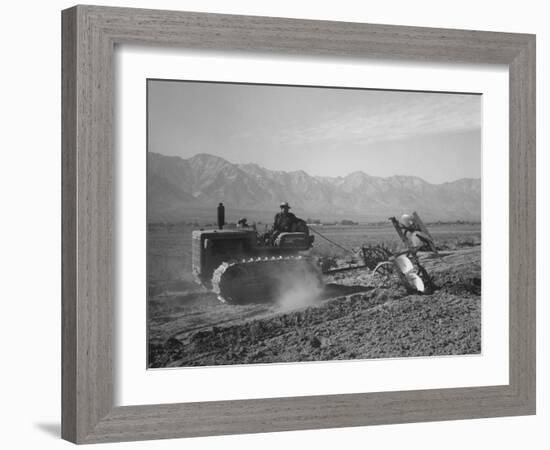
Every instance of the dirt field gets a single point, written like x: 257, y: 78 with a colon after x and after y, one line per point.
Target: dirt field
x: 356, y: 315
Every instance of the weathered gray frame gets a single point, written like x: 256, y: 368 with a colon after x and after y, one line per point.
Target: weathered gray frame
x: 89, y: 36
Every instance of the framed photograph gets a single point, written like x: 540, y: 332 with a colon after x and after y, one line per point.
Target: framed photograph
x: 267, y: 222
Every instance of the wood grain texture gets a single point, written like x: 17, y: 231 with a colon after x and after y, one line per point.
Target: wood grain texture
x: 89, y: 36
x: 68, y: 224
x: 523, y: 224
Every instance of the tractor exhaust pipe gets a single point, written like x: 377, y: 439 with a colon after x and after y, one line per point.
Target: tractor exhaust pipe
x: 221, y: 216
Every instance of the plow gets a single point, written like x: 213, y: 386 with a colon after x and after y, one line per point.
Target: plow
x: 404, y: 265
x: 243, y: 266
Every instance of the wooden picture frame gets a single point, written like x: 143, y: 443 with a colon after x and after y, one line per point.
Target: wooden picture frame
x: 89, y: 37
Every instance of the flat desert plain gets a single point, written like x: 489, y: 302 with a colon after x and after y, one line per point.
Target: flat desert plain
x: 354, y: 315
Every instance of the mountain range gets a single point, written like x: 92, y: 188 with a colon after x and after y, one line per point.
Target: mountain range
x: 180, y: 189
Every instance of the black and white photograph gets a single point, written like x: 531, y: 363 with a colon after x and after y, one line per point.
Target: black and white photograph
x: 291, y: 224
x: 275, y: 225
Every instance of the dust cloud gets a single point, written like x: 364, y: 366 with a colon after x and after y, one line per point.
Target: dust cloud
x: 298, y: 290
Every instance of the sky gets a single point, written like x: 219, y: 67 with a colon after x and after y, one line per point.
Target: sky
x: 323, y: 131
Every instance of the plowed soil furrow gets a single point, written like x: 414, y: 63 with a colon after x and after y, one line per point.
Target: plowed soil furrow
x: 357, y: 316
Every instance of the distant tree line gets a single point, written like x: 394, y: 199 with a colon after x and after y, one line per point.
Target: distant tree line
x: 336, y: 222
x: 182, y: 225
x: 313, y: 221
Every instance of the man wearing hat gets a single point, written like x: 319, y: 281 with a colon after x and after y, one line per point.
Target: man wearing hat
x: 242, y: 222
x: 284, y: 220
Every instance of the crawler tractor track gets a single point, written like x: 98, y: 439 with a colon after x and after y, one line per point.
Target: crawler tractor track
x: 262, y: 279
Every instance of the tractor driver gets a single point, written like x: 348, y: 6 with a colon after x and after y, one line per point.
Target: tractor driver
x: 242, y: 222
x: 284, y: 220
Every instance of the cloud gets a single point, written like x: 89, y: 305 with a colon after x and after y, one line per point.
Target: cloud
x: 408, y: 116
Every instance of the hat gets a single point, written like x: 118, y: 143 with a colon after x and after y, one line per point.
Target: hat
x: 406, y: 220
x: 284, y: 205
